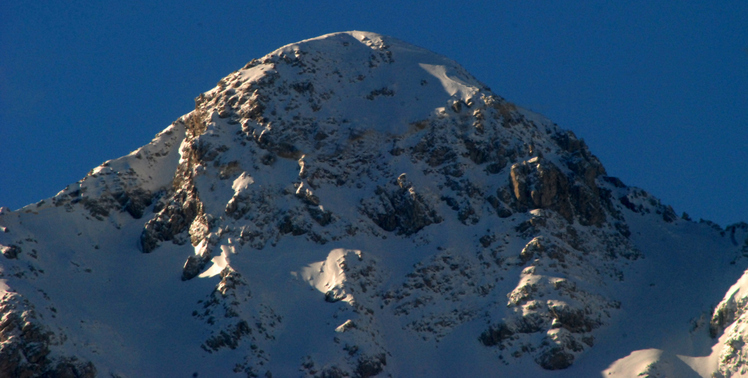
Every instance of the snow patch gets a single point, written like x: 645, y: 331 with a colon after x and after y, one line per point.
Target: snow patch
x: 651, y: 363
x: 453, y: 85
x: 637, y: 361
x: 328, y: 276
x: 242, y: 182
x: 219, y: 262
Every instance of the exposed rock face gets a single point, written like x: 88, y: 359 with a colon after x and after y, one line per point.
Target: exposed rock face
x: 179, y: 210
x: 540, y: 184
x: 537, y: 185
x: 348, y: 200
x: 728, y: 322
x: 10, y: 251
x: 402, y: 210
x: 25, y: 345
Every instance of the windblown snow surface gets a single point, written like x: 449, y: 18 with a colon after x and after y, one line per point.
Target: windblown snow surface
x: 352, y: 205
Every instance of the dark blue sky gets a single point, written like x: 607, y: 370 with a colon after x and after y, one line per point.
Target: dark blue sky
x: 659, y: 90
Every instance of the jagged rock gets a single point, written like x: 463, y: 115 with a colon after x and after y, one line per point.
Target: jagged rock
x: 555, y: 359
x: 494, y: 335
x: 192, y: 267
x: 25, y: 345
x: 538, y: 184
x: 134, y: 202
x: 228, y: 338
x: 72, y: 368
x: 369, y: 366
x: 10, y: 251
x: 403, y: 210
x: 175, y: 218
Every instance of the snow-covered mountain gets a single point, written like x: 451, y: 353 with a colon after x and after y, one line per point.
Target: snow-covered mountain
x: 355, y: 206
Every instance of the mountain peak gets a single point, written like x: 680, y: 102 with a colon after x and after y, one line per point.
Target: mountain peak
x: 380, y: 81
x: 352, y: 205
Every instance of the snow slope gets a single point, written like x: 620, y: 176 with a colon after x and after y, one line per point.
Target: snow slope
x: 352, y: 205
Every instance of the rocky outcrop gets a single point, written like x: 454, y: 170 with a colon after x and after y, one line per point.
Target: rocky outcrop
x: 26, y: 345
x: 180, y: 209
x: 10, y: 251
x: 174, y: 218
x: 728, y: 321
x: 351, y: 280
x: 739, y: 236
x: 402, y: 210
x: 540, y: 184
x: 124, y: 185
x: 641, y: 202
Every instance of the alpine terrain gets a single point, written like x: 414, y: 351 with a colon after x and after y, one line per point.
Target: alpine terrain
x: 355, y: 206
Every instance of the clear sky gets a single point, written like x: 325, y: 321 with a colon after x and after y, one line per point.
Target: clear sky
x: 658, y: 90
